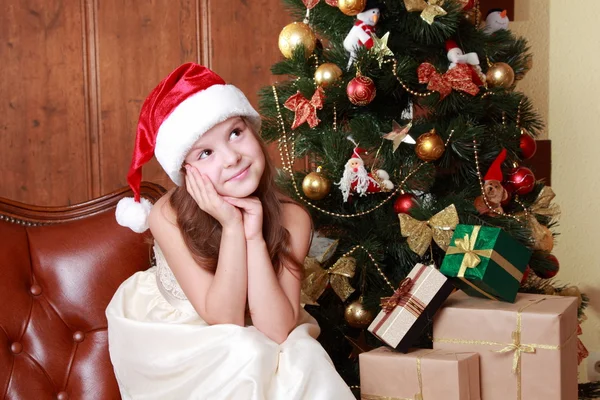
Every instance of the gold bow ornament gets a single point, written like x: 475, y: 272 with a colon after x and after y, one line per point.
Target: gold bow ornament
x: 440, y: 228
x: 429, y: 10
x: 317, y: 279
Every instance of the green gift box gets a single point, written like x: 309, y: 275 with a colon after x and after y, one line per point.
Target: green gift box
x: 486, y: 262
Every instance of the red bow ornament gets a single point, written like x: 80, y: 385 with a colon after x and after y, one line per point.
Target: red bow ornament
x: 458, y: 78
x: 389, y: 303
x: 306, y: 111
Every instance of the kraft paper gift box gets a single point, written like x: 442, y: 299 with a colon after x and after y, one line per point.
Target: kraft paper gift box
x: 411, y: 308
x: 419, y: 375
x: 528, y: 350
x: 486, y: 262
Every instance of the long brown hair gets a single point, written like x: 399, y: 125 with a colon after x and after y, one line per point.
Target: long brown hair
x: 202, y: 233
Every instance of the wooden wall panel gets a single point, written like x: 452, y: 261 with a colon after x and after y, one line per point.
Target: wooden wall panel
x: 243, y: 44
x: 43, y: 142
x: 138, y: 45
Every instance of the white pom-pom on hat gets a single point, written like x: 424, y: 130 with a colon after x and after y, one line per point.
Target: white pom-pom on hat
x: 132, y: 214
x: 188, y: 102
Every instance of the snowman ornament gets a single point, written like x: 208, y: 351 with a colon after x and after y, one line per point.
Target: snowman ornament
x: 364, y: 27
x: 457, y: 56
x: 496, y: 20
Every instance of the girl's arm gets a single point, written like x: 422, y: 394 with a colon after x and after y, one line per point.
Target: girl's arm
x: 218, y: 298
x: 274, y: 300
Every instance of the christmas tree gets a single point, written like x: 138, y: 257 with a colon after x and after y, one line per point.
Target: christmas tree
x: 410, y: 115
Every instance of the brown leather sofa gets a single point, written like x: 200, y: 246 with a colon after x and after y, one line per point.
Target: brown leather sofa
x: 59, y: 267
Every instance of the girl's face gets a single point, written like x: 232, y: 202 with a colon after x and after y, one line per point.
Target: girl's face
x: 230, y: 155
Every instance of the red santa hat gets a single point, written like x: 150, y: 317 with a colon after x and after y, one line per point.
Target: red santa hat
x: 495, y: 171
x: 187, y: 103
x: 451, y: 44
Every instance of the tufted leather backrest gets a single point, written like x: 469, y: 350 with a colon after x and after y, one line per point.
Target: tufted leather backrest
x: 55, y: 283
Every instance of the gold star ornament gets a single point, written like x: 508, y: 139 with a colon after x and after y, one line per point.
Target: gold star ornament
x: 399, y: 134
x: 380, y: 47
x: 429, y: 10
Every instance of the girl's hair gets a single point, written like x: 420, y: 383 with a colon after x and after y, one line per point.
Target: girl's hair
x: 202, y: 233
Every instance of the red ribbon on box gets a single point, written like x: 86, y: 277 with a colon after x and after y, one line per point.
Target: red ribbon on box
x: 402, y: 298
x: 458, y: 78
x: 306, y: 111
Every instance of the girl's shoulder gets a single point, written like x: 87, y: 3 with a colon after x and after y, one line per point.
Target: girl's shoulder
x: 162, y: 212
x: 294, y: 214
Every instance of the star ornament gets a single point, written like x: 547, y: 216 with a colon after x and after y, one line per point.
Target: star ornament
x: 429, y: 10
x: 380, y: 47
x: 399, y: 134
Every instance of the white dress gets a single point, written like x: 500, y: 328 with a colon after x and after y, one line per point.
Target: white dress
x: 160, y: 348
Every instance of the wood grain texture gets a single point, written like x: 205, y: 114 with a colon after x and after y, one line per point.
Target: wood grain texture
x: 27, y: 214
x: 243, y: 45
x: 138, y: 46
x: 43, y: 155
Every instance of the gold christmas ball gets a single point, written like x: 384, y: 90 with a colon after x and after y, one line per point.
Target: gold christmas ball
x: 544, y: 241
x: 327, y: 74
x: 352, y: 7
x: 430, y: 146
x: 500, y: 75
x: 357, y: 316
x: 297, y: 34
x: 315, y: 186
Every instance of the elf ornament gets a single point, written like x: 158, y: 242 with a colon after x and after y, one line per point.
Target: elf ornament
x: 495, y: 193
x: 457, y: 56
x: 496, y: 20
x: 364, y: 27
x: 356, y: 179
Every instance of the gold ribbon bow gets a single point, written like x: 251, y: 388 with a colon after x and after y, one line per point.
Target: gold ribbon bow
x: 388, y: 304
x: 305, y: 110
x: 543, y: 204
x: 466, y: 246
x: 428, y: 10
x: 518, y: 349
x: 317, y: 279
x: 440, y: 228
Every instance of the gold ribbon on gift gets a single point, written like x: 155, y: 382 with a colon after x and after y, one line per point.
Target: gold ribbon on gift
x: 440, y: 228
x: 429, y: 10
x: 317, y: 279
x: 418, y: 396
x: 472, y: 259
x: 516, y: 347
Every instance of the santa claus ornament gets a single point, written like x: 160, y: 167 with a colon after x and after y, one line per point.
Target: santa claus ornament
x: 494, y: 192
x: 356, y: 179
x: 364, y: 27
x: 496, y: 20
x: 457, y: 56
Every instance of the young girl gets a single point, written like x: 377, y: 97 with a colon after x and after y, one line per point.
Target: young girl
x: 219, y: 317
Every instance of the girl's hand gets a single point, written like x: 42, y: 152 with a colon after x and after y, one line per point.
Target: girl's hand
x: 252, y: 214
x: 203, y: 192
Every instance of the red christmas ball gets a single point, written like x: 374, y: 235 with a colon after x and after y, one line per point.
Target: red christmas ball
x: 520, y: 180
x: 361, y: 90
x: 404, y: 203
x: 528, y: 145
x: 549, y: 274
